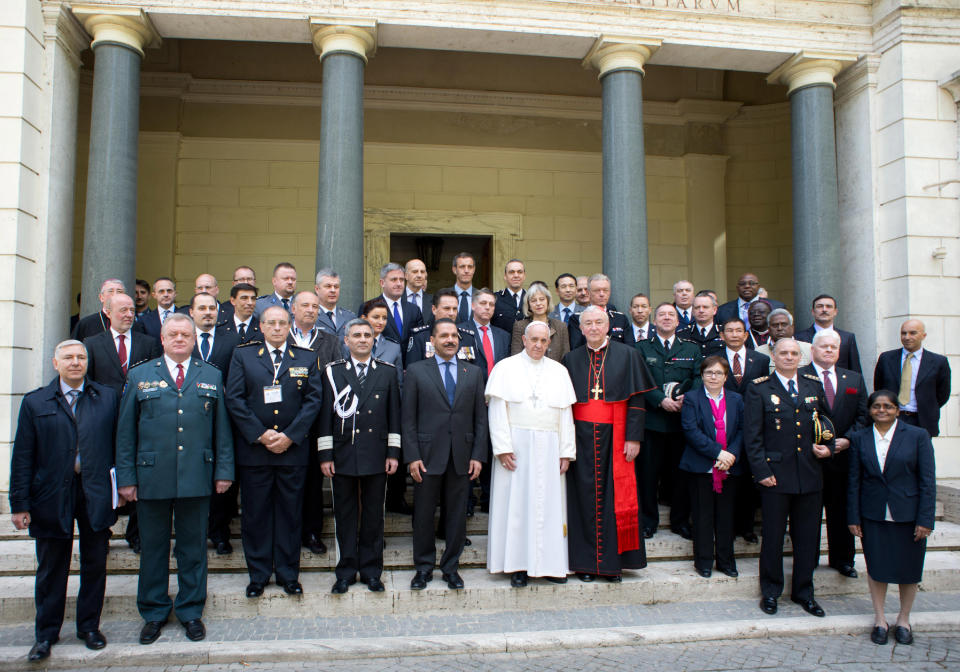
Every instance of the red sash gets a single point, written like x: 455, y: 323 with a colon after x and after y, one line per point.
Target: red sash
x: 625, y: 506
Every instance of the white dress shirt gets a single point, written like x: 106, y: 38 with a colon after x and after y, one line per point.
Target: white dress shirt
x: 646, y: 332
x: 172, y: 367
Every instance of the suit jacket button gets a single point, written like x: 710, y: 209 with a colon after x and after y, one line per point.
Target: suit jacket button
x: 179, y: 429
x: 276, y: 411
x: 370, y: 430
x: 275, y: 427
x: 798, y: 423
x: 179, y: 447
x: 179, y: 411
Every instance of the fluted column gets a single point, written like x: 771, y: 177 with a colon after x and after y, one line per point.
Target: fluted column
x: 343, y: 49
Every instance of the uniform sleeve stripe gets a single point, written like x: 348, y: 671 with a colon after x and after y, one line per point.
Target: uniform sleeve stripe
x: 393, y: 440
x: 325, y: 443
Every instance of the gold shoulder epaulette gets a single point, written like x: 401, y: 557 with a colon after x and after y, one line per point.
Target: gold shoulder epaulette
x: 384, y: 362
x: 760, y: 379
x: 249, y: 343
x: 812, y: 377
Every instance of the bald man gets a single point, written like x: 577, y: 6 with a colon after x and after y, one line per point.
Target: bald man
x: 920, y: 378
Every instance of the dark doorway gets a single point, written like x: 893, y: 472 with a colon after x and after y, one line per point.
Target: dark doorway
x: 437, y: 252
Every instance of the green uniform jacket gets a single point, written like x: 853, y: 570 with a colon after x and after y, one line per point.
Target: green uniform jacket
x: 680, y: 365
x: 173, y: 443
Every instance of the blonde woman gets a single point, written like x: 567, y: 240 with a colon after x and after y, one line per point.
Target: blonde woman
x: 538, y: 306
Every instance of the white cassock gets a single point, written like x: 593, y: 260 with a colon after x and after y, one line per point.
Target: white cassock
x: 529, y: 407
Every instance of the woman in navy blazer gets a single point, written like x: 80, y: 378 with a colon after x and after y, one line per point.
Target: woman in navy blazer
x: 891, y: 500
x: 710, y: 464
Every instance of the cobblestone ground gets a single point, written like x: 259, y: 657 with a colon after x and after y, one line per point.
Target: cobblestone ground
x: 929, y: 653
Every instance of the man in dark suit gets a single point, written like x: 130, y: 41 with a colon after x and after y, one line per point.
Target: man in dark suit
x: 242, y: 275
x: 674, y: 367
x: 464, y: 266
x: 702, y: 330
x: 60, y: 472
x: 359, y: 446
x: 745, y: 365
x: 98, y: 322
x: 920, y: 377
x: 402, y: 316
x: 683, y: 295
x: 273, y: 395
x: 165, y: 293
x: 284, y: 282
x: 243, y: 301
x: 747, y: 287
x: 599, y: 286
x: 331, y: 317
x: 640, y: 329
x: 444, y: 431
x: 205, y: 283
x: 824, y: 313
x: 510, y: 300
x: 415, y: 272
x: 846, y: 396
x: 758, y: 315
x: 141, y: 296
x: 173, y: 450
x: 780, y: 412
x: 566, y: 285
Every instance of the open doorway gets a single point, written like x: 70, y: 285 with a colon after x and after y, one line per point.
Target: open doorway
x: 437, y: 252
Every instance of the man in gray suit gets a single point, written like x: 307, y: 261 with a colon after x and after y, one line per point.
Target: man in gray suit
x: 284, y: 285
x: 415, y: 272
x: 566, y: 284
x: 332, y: 318
x: 444, y: 432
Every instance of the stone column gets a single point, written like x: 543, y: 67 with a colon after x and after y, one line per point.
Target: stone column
x: 625, y: 251
x: 343, y: 51
x: 110, y: 222
x: 817, y: 255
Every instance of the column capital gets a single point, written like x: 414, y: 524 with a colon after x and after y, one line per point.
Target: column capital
x: 615, y: 52
x: 129, y: 26
x: 355, y: 36
x: 811, y: 68
x: 63, y: 27
x: 952, y: 85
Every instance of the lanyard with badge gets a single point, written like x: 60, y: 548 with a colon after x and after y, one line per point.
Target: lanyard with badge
x: 273, y: 394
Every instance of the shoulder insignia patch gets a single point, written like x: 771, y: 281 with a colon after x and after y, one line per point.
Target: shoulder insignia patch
x: 384, y: 362
x: 760, y: 379
x: 811, y: 377
x: 467, y: 331
x: 249, y: 343
x: 417, y: 330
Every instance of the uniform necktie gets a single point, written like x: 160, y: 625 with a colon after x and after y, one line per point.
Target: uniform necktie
x: 415, y: 299
x: 703, y: 333
x: 516, y: 299
x: 792, y: 389
x: 463, y: 311
x: 361, y: 373
x: 243, y: 331
x: 686, y: 318
x: 286, y: 304
x: 666, y: 345
x: 332, y: 321
x: 737, y: 369
x: 179, y: 380
x: 277, y: 356
x: 487, y: 348
x: 449, y: 383
x: 205, y: 346
x: 122, y: 353
x: 828, y: 388
x: 566, y: 315
x: 906, y: 381
x: 397, y: 320
x: 74, y: 399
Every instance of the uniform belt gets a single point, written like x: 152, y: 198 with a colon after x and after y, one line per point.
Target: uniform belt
x: 908, y: 413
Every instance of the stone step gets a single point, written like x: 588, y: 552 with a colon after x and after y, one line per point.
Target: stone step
x: 661, y: 582
x: 17, y: 557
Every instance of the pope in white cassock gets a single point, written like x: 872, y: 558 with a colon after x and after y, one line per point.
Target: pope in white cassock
x: 529, y: 397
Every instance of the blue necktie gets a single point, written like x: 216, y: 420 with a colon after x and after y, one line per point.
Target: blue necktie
x: 398, y: 321
x: 204, y: 346
x: 566, y: 315
x: 794, y: 397
x: 463, y: 312
x: 448, y: 382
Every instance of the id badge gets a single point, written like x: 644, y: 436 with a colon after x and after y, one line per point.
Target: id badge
x: 272, y: 394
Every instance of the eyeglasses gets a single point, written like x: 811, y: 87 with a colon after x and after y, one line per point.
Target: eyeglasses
x: 748, y: 283
x: 276, y: 323
x: 713, y: 374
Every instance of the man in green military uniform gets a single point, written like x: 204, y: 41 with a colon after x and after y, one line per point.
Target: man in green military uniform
x: 674, y: 367
x: 174, y: 446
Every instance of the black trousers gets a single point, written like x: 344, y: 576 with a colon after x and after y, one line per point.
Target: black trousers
x: 272, y: 499
x: 803, y: 511
x: 223, y: 509
x: 53, y: 569
x: 313, y: 497
x: 840, y: 543
x: 358, y: 514
x: 712, y: 521
x: 747, y: 502
x: 397, y: 488
x: 132, y: 532
x: 661, y: 479
x: 455, y: 490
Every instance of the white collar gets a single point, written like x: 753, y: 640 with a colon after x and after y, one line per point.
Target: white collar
x: 606, y: 342
x: 786, y: 381
x: 117, y: 333
x: 832, y: 370
x: 368, y: 363
x: 64, y: 388
x: 877, y: 436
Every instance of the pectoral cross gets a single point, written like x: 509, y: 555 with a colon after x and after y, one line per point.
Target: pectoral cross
x: 535, y: 398
x: 596, y: 389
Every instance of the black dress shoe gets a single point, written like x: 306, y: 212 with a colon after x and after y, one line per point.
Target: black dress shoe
x: 903, y: 635
x: 224, y: 548
x: 751, y: 538
x: 768, y: 605
x: 586, y: 578
x: 556, y: 579
x: 315, y: 544
x: 134, y: 545
x: 374, y: 584
x: 705, y: 573
x: 454, y: 582
x: 195, y: 630
x: 848, y: 571
x: 683, y: 531
x: 616, y: 578
x: 731, y: 572
x: 150, y: 631
x: 341, y: 586
x: 518, y: 580
x: 467, y: 542
x: 254, y: 589
x: 879, y: 635
x: 810, y: 606
x: 293, y: 588
x: 39, y: 651
x: 94, y: 639
x: 648, y: 533
x: 420, y: 580
x: 470, y: 509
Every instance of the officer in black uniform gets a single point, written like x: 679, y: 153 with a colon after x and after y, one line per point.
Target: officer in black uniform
x: 273, y: 393
x: 444, y: 306
x: 511, y: 300
x: 780, y: 413
x: 702, y: 330
x: 620, y: 329
x: 359, y: 446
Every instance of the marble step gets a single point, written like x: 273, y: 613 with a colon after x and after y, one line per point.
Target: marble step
x: 17, y: 557
x: 667, y: 581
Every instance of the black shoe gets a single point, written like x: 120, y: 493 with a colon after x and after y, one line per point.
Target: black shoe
x: 94, y: 639
x: 616, y: 578
x: 39, y: 651
x: 254, y: 589
x: 751, y: 538
x: 342, y: 586
x: 150, y: 631
x: 705, y: 573
x: 518, y: 580
x: 648, y: 533
x: 470, y: 508
x: 454, y: 582
x: 484, y: 505
x: 134, y: 545
x: 467, y: 542
x: 400, y: 507
x: 731, y: 572
x: 420, y: 580
x: 315, y: 544
x: 810, y: 606
x: 224, y: 548
x: 556, y: 579
x: 903, y: 635
x: 848, y: 571
x: 768, y: 605
x: 293, y: 588
x: 374, y: 584
x: 586, y: 578
x: 879, y: 635
x: 683, y: 531
x: 195, y: 630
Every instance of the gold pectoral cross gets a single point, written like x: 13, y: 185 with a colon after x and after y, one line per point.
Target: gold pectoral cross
x: 596, y: 389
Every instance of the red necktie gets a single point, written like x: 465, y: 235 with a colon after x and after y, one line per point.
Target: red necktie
x: 737, y: 370
x: 179, y: 380
x: 828, y: 388
x: 122, y: 353
x: 487, y: 349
